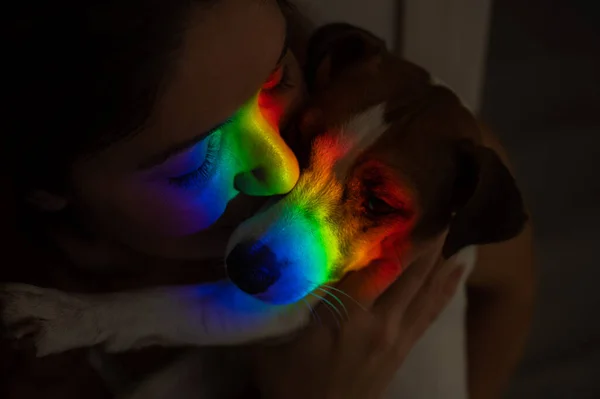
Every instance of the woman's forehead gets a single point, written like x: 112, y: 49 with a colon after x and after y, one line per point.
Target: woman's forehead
x: 227, y: 52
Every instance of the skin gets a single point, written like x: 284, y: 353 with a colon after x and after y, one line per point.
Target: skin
x: 501, y: 296
x: 137, y: 218
x: 136, y: 213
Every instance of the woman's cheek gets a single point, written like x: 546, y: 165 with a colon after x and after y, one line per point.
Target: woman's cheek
x: 173, y: 211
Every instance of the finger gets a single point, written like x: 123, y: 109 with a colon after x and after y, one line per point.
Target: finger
x: 430, y: 301
x: 402, y: 291
x: 427, y: 305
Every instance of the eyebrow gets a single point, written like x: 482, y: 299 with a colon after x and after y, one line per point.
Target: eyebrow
x: 178, y: 148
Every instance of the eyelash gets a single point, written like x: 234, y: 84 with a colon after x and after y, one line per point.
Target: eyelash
x: 203, y: 172
x: 199, y: 175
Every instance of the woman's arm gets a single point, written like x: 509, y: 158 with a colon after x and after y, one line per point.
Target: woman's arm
x: 501, y: 298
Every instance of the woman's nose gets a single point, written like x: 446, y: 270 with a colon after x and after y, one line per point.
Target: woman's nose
x: 269, y: 165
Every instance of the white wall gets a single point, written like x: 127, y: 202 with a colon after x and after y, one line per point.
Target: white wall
x: 449, y: 38
x: 377, y: 16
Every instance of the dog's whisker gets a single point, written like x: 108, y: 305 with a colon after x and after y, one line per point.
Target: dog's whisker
x: 332, y: 309
x: 338, y: 301
x: 346, y: 295
x: 312, y: 311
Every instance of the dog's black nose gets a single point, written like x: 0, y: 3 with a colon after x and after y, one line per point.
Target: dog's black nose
x: 252, y: 267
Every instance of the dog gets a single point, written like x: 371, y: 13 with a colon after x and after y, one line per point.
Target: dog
x: 394, y: 160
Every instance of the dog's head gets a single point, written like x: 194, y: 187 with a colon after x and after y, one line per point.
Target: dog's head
x: 394, y: 161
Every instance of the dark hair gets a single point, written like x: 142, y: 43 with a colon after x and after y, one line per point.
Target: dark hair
x: 82, y: 74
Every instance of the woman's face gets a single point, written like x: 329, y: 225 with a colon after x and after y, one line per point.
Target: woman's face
x: 212, y: 151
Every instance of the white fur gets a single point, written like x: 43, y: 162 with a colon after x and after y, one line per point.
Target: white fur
x: 360, y: 133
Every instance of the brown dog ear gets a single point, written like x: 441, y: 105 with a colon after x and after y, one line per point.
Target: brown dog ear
x: 488, y: 205
x: 336, y: 46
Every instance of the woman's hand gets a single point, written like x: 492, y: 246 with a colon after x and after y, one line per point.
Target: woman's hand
x: 358, y: 357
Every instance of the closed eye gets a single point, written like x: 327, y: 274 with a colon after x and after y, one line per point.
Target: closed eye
x: 209, y: 150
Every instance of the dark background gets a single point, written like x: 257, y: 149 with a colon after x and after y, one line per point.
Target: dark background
x: 542, y: 97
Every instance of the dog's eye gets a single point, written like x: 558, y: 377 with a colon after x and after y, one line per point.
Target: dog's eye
x: 376, y: 206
